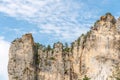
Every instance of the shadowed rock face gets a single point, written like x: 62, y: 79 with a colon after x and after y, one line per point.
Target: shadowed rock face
x: 95, y: 54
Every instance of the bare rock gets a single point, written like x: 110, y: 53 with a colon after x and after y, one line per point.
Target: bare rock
x: 95, y: 54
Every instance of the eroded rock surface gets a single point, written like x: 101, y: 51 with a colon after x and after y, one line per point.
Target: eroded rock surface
x: 22, y: 59
x: 95, y: 54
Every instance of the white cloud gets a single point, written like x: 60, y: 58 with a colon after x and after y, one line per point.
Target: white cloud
x: 68, y: 32
x: 4, y: 48
x: 63, y: 17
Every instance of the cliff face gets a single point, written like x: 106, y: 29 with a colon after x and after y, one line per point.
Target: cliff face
x: 21, y: 64
x: 95, y: 54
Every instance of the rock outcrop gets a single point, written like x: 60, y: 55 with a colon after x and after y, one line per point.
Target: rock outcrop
x: 22, y: 59
x: 95, y: 55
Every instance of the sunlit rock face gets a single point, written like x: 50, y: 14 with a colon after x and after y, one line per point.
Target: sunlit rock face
x: 95, y: 54
x: 102, y: 49
x: 21, y: 64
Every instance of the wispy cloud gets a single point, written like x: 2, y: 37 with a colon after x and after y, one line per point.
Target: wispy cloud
x: 64, y: 19
x: 4, y: 48
x: 63, y: 33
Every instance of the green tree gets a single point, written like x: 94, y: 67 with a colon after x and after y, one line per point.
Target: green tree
x: 108, y: 13
x: 38, y: 45
x: 48, y: 48
x: 72, y: 46
x: 78, y: 41
x: 86, y: 78
x: 66, y: 48
x: 66, y: 45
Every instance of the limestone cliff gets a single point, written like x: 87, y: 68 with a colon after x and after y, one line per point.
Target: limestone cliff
x: 95, y: 54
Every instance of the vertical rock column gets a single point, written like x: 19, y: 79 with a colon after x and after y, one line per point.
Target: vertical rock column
x: 21, y: 64
x: 58, y: 65
x: 51, y: 63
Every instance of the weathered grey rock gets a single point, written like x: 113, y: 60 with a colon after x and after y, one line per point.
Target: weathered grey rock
x: 95, y: 54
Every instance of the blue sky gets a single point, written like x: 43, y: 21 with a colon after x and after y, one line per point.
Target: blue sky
x: 48, y: 20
